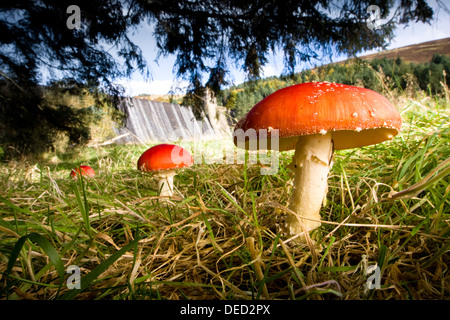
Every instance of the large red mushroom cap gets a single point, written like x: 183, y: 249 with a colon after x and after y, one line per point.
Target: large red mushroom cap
x: 315, y: 119
x: 355, y: 116
x: 164, y: 157
x: 85, y: 171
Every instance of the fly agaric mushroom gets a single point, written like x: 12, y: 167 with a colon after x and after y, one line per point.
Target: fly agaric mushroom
x: 163, y: 160
x: 315, y: 119
x: 85, y: 171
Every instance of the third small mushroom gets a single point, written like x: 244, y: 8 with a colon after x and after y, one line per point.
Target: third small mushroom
x: 316, y: 118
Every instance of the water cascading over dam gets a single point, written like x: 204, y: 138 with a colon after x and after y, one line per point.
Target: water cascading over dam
x: 154, y: 122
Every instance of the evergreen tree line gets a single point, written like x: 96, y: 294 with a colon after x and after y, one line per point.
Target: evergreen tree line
x: 380, y: 75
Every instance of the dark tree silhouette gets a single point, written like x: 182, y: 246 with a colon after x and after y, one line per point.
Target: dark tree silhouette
x: 37, y: 44
x: 207, y: 36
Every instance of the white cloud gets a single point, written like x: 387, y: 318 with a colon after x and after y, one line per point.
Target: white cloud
x: 420, y: 32
x: 157, y: 87
x: 270, y: 70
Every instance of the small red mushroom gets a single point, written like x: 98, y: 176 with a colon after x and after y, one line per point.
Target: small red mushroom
x: 85, y: 171
x: 163, y: 160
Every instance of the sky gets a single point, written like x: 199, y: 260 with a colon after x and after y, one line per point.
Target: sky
x: 163, y: 76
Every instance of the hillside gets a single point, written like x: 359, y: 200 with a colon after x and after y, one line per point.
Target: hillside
x: 417, y: 53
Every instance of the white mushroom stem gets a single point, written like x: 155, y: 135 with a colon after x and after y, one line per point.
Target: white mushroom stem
x: 165, y: 182
x: 311, y: 164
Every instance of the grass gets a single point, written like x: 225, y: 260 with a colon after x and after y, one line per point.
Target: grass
x: 219, y: 237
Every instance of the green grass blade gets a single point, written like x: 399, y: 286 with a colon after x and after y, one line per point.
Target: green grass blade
x: 332, y: 239
x: 45, y: 245
x: 15, y: 254
x: 87, y: 280
x: 50, y: 251
x: 382, y: 256
x: 7, y: 226
x: 83, y: 205
x: 438, y: 254
x: 424, y: 183
x: 14, y: 207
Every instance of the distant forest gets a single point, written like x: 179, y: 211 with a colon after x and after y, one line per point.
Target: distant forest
x: 381, y: 75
